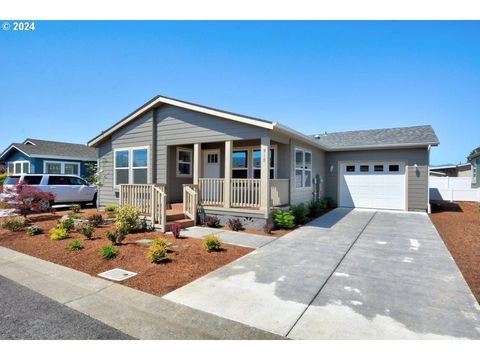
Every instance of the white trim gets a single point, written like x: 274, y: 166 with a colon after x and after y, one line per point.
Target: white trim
x: 21, y: 162
x: 297, y: 148
x: 58, y: 157
x: 184, y: 105
x: 29, y: 142
x: 62, y: 166
x: 178, y: 162
x: 13, y: 146
x: 130, y: 167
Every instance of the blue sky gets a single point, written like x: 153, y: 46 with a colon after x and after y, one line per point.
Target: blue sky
x: 68, y: 81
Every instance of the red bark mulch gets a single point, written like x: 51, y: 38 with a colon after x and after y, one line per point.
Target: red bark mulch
x: 187, y: 260
x: 459, y: 226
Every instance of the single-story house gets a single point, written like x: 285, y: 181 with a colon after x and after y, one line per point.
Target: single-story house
x: 34, y: 156
x: 216, y: 162
x: 474, y: 159
x: 460, y: 170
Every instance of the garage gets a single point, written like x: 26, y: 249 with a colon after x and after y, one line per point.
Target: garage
x: 377, y: 185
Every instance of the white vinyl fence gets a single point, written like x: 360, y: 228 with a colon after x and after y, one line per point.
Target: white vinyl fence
x: 453, y: 189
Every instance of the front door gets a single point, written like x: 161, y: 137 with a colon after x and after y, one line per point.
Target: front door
x: 211, y: 164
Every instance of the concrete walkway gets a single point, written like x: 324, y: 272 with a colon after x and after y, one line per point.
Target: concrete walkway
x: 229, y: 237
x: 349, y: 274
x: 135, y: 313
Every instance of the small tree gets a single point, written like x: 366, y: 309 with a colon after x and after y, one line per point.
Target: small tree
x: 27, y: 199
x: 92, y: 174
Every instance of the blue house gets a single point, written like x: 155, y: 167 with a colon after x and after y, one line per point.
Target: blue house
x: 35, y: 156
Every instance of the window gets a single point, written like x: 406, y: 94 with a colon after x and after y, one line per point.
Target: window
x: 184, y: 162
x: 350, y: 168
x: 77, y: 181
x: 32, y: 180
x: 11, y: 180
x: 303, y: 169
x: 378, y: 168
x: 131, y: 166
x: 240, y: 164
x: 61, y: 167
x: 393, y: 168
x: 364, y: 168
x: 212, y: 158
x: 58, y: 180
x: 19, y: 167
x: 256, y: 162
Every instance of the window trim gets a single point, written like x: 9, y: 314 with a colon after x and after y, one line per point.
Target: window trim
x: 62, y: 166
x: 130, y: 164
x: 178, y: 162
x: 303, y: 168
x: 21, y: 162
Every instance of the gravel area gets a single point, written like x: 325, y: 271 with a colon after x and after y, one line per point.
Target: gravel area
x: 459, y: 226
x: 187, y: 260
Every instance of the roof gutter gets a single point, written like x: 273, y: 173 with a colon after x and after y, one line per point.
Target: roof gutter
x: 383, y: 146
x: 298, y: 135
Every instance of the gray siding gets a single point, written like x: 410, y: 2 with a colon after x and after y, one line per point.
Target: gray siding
x: 298, y: 196
x: 417, y: 187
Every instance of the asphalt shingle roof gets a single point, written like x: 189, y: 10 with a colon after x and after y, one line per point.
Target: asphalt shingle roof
x: 379, y: 137
x: 56, y: 148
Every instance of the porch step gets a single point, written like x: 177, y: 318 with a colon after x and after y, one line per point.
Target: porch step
x: 185, y: 223
x: 173, y: 215
x: 176, y: 207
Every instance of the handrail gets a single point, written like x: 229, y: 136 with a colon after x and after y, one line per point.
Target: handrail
x: 190, y: 201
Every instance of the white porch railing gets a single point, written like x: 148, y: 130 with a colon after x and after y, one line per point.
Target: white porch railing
x: 150, y: 199
x: 279, y: 192
x: 211, y: 191
x: 245, y: 193
x: 190, y: 201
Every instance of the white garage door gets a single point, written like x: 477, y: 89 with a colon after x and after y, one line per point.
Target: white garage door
x: 378, y: 185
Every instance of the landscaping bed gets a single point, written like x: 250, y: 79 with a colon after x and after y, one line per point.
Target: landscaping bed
x: 459, y: 226
x: 186, y: 260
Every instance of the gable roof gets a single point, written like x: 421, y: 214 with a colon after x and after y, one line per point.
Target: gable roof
x: 475, y: 153
x: 423, y: 135
x: 53, y: 150
x: 158, y: 100
x: 442, y: 167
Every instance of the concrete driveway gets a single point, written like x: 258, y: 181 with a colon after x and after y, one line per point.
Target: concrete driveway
x: 349, y: 274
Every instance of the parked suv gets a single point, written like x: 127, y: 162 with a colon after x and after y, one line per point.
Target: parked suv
x: 65, y: 188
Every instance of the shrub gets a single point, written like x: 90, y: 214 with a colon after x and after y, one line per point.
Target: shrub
x: 58, y: 233
x: 235, y: 224
x: 211, y: 242
x: 34, y: 230
x: 28, y: 199
x: 175, y: 228
x: 16, y: 223
x: 108, y: 252
x: 67, y: 224
x: 95, y: 219
x: 128, y: 219
x: 87, y: 231
x: 110, y: 208
x: 162, y: 242
x: 75, y: 245
x: 72, y: 215
x: 212, y: 221
x: 329, y: 202
x: 116, y: 237
x: 284, y: 219
x: 316, y: 206
x: 300, y: 212
x: 3, y: 177
x: 75, y: 208
x: 268, y: 229
x: 157, y: 251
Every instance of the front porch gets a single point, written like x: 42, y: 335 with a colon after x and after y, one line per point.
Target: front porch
x: 211, y: 190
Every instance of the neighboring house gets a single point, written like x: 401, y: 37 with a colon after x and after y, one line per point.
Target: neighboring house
x: 474, y: 159
x: 233, y: 165
x: 35, y: 156
x: 460, y: 170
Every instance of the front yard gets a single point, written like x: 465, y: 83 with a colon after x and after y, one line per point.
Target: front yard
x: 459, y: 227
x: 186, y: 260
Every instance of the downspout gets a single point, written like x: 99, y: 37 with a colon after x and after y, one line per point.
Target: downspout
x: 154, y: 147
x: 429, y: 210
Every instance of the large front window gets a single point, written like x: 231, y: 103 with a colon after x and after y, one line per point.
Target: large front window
x: 240, y: 164
x: 303, y: 169
x: 62, y: 167
x: 131, y: 166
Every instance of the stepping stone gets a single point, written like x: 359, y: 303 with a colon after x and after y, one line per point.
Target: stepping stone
x: 117, y: 274
x: 144, y: 241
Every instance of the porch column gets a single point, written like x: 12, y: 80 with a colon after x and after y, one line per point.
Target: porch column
x: 228, y: 173
x: 265, y: 175
x: 197, y: 158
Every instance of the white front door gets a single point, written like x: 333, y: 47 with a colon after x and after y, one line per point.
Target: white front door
x: 368, y: 184
x: 211, y: 164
